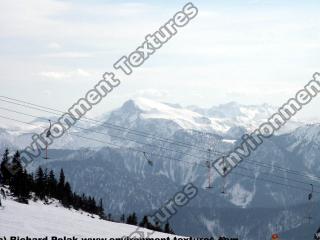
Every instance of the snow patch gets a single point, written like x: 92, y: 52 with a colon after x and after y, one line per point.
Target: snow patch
x: 240, y: 196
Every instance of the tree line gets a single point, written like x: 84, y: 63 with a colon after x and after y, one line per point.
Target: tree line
x: 133, y: 220
x: 44, y: 185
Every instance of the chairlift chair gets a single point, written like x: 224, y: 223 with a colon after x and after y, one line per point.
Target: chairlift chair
x: 148, y: 160
x: 310, y: 198
x: 48, y: 135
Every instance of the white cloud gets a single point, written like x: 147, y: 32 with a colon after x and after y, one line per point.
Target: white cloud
x: 152, y: 93
x: 52, y: 19
x: 66, y: 74
x: 54, y: 45
x: 29, y: 18
x: 261, y: 55
x: 68, y: 55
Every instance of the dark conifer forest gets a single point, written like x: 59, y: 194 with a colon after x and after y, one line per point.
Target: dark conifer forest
x: 44, y: 185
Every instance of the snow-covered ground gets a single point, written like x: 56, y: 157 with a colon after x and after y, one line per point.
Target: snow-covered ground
x: 39, y: 220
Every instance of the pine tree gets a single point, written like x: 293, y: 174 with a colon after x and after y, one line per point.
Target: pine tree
x: 132, y: 219
x: 167, y: 229
x: 89, y: 204
x: 52, y: 185
x: 45, y: 184
x: 16, y: 164
x: 61, y: 185
x: 129, y: 219
x: 67, y: 195
x: 15, y: 180
x: 157, y: 227
x: 40, y: 184
x: 100, y: 209
x: 25, y: 187
x: 4, y: 167
x: 76, y: 201
x: 145, y: 222
x: 122, y: 218
x: 26, y: 184
x: 19, y: 181
x: 83, y: 202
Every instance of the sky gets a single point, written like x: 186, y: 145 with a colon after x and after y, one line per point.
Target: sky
x: 250, y: 51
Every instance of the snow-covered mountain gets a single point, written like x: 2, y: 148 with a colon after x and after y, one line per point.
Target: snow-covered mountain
x: 218, y: 119
x: 162, y: 119
x: 124, y: 179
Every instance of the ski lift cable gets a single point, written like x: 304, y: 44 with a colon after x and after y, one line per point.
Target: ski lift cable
x: 126, y: 139
x: 277, y: 167
x: 149, y: 161
x: 170, y: 158
x: 149, y: 135
x: 271, y: 181
x: 110, y: 125
x: 172, y: 142
x: 109, y: 143
x: 107, y: 134
x: 116, y: 136
x: 152, y: 145
x: 144, y: 134
x: 138, y: 150
x: 277, y: 176
x: 304, y: 175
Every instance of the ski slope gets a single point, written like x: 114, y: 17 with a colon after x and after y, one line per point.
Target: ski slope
x: 39, y: 220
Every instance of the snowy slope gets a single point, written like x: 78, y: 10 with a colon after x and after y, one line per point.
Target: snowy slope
x: 38, y: 220
x: 183, y: 117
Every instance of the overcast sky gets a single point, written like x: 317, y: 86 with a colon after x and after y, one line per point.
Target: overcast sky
x: 252, y: 52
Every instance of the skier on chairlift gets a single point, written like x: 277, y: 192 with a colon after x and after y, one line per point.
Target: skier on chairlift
x: 48, y: 135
